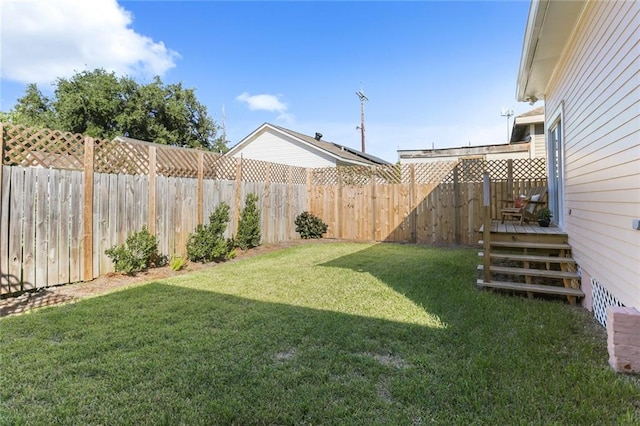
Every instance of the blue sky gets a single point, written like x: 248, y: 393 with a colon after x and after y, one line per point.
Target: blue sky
x: 436, y: 73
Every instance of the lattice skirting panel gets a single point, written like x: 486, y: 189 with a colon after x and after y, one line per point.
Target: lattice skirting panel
x: 602, y: 299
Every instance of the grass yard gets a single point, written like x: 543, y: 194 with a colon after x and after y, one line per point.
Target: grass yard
x: 338, y: 333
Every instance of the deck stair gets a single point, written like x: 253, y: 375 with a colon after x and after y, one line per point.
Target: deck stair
x: 531, y: 263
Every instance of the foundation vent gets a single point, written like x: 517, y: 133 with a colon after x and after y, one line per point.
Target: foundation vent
x: 602, y: 299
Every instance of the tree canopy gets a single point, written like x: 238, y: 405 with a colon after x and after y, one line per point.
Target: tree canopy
x: 100, y: 104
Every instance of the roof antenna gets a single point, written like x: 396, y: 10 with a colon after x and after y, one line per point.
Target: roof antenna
x: 363, y: 98
x: 506, y: 112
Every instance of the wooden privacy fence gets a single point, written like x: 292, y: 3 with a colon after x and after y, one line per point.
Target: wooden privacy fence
x: 433, y: 203
x: 66, y: 198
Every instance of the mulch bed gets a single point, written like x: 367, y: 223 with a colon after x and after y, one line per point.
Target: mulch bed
x: 109, y: 282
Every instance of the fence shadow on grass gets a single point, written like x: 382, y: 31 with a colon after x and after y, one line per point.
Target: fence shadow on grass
x: 197, y: 356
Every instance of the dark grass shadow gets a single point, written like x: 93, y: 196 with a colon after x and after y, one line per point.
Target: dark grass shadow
x: 166, y: 354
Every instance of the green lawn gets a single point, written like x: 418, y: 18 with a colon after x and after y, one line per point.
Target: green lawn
x: 339, y: 333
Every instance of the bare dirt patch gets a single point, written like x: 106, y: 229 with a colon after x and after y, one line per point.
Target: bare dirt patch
x: 114, y: 281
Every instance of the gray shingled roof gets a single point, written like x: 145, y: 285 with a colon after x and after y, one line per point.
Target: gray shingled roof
x: 346, y: 153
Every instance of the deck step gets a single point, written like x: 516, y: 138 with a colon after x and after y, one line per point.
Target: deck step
x: 530, y: 258
x: 527, y: 245
x: 531, y: 272
x: 535, y: 288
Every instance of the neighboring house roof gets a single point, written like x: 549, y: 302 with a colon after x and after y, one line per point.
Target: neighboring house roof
x: 549, y: 27
x: 334, y: 150
x: 522, y: 122
x: 462, y: 151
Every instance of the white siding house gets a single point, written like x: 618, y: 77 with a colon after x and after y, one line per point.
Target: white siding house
x: 582, y: 58
x: 279, y: 145
x: 529, y: 127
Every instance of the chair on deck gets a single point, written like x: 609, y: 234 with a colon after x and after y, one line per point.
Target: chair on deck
x: 527, y: 211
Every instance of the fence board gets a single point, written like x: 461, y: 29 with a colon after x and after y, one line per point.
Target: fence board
x: 15, y: 229
x: 41, y: 228
x: 75, y: 240
x: 161, y: 213
x: 4, y: 235
x: 29, y: 230
x: 63, y: 230
x: 53, y: 221
x: 168, y: 200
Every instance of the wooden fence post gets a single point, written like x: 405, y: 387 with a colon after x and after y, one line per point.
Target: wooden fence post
x: 374, y: 206
x: 265, y: 202
x: 413, y: 218
x: 338, y: 206
x: 290, y: 218
x: 87, y: 212
x: 153, y: 169
x: 238, y: 206
x: 510, y: 194
x: 457, y: 223
x: 486, y: 232
x: 309, y: 177
x: 1, y: 163
x: 200, y: 195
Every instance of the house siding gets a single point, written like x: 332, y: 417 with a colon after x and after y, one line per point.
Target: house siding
x: 279, y: 148
x: 597, y: 87
x: 539, y: 149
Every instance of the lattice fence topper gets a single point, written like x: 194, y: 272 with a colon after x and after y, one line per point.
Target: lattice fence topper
x: 111, y: 156
x: 177, y: 162
x: 522, y: 168
x: 279, y: 173
x: 324, y: 176
x: 428, y: 172
x: 220, y: 168
x: 602, y: 299
x: 254, y: 170
x: 298, y: 175
x: 31, y: 147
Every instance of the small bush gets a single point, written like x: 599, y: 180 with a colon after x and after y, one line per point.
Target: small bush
x: 138, y: 253
x: 309, y: 225
x: 248, y: 235
x: 207, y: 243
x: 177, y: 263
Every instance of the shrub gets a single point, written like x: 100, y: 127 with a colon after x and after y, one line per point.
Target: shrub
x: 248, y: 235
x: 309, y: 225
x: 138, y: 253
x: 207, y: 243
x: 177, y: 263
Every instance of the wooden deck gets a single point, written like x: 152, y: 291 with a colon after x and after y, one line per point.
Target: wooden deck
x: 528, y: 232
x: 510, y: 227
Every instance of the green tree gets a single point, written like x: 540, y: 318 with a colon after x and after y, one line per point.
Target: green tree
x: 249, y: 224
x: 91, y: 102
x: 102, y: 105
x: 33, y: 109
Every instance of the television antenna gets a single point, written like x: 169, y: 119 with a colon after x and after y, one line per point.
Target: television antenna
x: 363, y: 98
x: 507, y: 112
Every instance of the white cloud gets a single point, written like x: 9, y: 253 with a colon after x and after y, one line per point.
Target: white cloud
x: 45, y: 39
x: 270, y: 103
